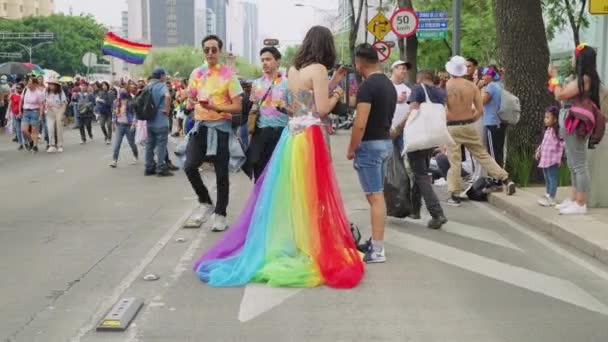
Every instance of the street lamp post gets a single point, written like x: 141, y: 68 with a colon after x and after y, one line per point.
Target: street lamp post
x: 456, y: 4
x: 30, y: 48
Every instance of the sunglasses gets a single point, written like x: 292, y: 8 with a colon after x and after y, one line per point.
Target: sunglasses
x: 212, y: 50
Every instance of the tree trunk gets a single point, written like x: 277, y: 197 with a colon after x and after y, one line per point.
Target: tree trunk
x: 408, y: 48
x: 524, y: 53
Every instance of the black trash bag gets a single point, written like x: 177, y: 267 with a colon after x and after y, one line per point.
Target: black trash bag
x: 354, y: 230
x: 397, y: 187
x: 480, y: 189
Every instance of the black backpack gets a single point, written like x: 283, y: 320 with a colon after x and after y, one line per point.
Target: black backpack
x: 145, y: 108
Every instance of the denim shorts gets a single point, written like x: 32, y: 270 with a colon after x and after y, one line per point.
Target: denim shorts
x: 31, y: 117
x: 370, y: 161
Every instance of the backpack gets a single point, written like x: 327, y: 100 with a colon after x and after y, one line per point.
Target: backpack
x: 480, y: 189
x: 510, y: 108
x: 145, y: 108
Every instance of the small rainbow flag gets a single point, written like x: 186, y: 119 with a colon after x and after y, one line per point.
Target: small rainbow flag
x: 128, y: 51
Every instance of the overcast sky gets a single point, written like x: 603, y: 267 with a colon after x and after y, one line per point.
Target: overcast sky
x: 277, y: 18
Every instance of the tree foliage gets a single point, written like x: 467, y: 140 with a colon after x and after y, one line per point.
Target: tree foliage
x: 560, y: 14
x: 288, y: 56
x: 74, y: 36
x: 180, y: 61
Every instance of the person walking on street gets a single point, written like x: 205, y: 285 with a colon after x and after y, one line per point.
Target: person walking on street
x: 32, y: 109
x: 371, y: 144
x: 158, y: 128
x: 399, y: 72
x: 463, y: 95
x: 103, y: 108
x: 419, y: 161
x: 14, y: 107
x: 124, y: 124
x: 215, y: 93
x: 55, y: 106
x: 86, y: 104
x: 270, y: 94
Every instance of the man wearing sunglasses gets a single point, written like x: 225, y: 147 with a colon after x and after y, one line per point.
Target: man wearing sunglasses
x: 215, y: 94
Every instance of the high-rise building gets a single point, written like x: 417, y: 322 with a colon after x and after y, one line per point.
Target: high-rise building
x: 219, y: 9
x: 16, y: 9
x: 162, y: 23
x: 251, y: 39
x: 124, y: 21
x: 200, y: 21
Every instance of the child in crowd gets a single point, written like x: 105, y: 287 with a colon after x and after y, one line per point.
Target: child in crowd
x: 549, y: 155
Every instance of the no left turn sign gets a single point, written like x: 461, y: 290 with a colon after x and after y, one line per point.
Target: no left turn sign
x: 404, y: 22
x: 384, y: 50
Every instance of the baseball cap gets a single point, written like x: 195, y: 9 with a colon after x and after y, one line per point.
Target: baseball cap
x: 398, y: 63
x: 158, y: 72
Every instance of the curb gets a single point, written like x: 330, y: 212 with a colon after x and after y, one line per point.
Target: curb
x: 581, y: 235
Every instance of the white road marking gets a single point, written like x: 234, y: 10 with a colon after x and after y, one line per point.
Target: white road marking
x: 472, y: 232
x: 131, y: 277
x: 259, y: 298
x: 545, y: 242
x: 557, y: 288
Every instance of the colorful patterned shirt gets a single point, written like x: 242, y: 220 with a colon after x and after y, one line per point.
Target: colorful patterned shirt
x: 550, y: 151
x: 218, y: 85
x: 270, y: 116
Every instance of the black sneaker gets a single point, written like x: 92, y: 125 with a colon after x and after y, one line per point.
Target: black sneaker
x: 20, y: 148
x: 364, y: 247
x: 172, y: 167
x: 149, y: 172
x: 15, y: 139
x: 454, y: 201
x: 164, y: 173
x: 509, y: 187
x: 28, y: 147
x: 35, y: 148
x: 437, y: 222
x: 415, y: 216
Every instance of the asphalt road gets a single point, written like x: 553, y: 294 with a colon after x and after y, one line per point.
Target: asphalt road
x: 75, y: 236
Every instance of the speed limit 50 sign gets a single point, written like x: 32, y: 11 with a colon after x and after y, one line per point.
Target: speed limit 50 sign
x: 404, y: 22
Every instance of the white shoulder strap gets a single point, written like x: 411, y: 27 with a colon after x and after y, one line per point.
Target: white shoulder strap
x: 426, y: 95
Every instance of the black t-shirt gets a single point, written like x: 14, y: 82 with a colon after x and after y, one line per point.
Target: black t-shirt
x: 379, y: 91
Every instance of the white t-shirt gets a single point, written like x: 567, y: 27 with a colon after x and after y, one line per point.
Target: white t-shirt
x: 401, y: 109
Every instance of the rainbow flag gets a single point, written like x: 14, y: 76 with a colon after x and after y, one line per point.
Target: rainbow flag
x: 128, y: 51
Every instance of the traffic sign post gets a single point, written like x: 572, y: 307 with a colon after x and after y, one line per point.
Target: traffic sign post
x: 433, y: 25
x: 404, y: 22
x: 384, y: 50
x: 379, y: 26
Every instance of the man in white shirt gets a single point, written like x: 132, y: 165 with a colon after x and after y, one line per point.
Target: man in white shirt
x: 399, y: 73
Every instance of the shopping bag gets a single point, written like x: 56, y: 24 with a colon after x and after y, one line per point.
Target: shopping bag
x: 427, y: 128
x: 397, y: 187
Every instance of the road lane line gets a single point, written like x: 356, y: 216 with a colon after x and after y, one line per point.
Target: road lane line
x: 131, y: 277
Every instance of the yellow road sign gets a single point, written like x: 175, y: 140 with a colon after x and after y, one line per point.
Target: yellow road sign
x: 379, y: 26
x: 598, y: 6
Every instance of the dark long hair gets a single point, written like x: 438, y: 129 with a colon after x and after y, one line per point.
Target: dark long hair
x: 585, y: 64
x: 57, y: 89
x: 317, y: 47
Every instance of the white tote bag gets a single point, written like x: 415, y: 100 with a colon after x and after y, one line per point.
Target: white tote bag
x: 427, y: 128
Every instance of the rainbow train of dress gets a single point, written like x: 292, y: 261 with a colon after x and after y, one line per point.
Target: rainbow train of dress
x: 293, y: 230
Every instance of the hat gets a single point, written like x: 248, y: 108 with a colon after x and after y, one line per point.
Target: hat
x: 158, y: 72
x: 52, y: 79
x: 3, y: 79
x: 456, y: 66
x: 408, y: 65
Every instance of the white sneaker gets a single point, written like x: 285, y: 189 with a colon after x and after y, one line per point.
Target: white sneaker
x: 219, y: 223
x: 574, y: 209
x: 565, y: 203
x: 60, y: 149
x: 546, y: 201
x: 114, y: 163
x: 135, y: 161
x: 373, y: 256
x: 202, y: 213
x: 51, y: 149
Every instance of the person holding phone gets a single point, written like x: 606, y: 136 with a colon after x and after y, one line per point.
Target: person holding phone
x: 214, y: 94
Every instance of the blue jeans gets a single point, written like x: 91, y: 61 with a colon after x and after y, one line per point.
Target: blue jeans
x: 76, y: 114
x: 157, y: 140
x: 17, y: 128
x: 550, y: 174
x: 370, y: 161
x: 122, y: 130
x: 243, y: 133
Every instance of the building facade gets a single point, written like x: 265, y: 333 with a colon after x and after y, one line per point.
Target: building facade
x: 218, y: 10
x: 162, y: 23
x: 251, y: 39
x: 16, y: 9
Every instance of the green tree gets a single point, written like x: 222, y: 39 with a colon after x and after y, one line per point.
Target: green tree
x: 288, y: 55
x: 74, y: 36
x: 180, y: 61
x: 524, y: 53
x: 562, y: 13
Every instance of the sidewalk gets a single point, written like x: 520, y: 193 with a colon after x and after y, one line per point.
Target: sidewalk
x: 588, y: 234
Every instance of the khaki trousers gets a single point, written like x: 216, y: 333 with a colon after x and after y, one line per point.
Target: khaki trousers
x: 468, y: 135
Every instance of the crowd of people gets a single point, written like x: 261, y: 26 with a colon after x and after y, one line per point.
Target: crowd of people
x: 293, y: 230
